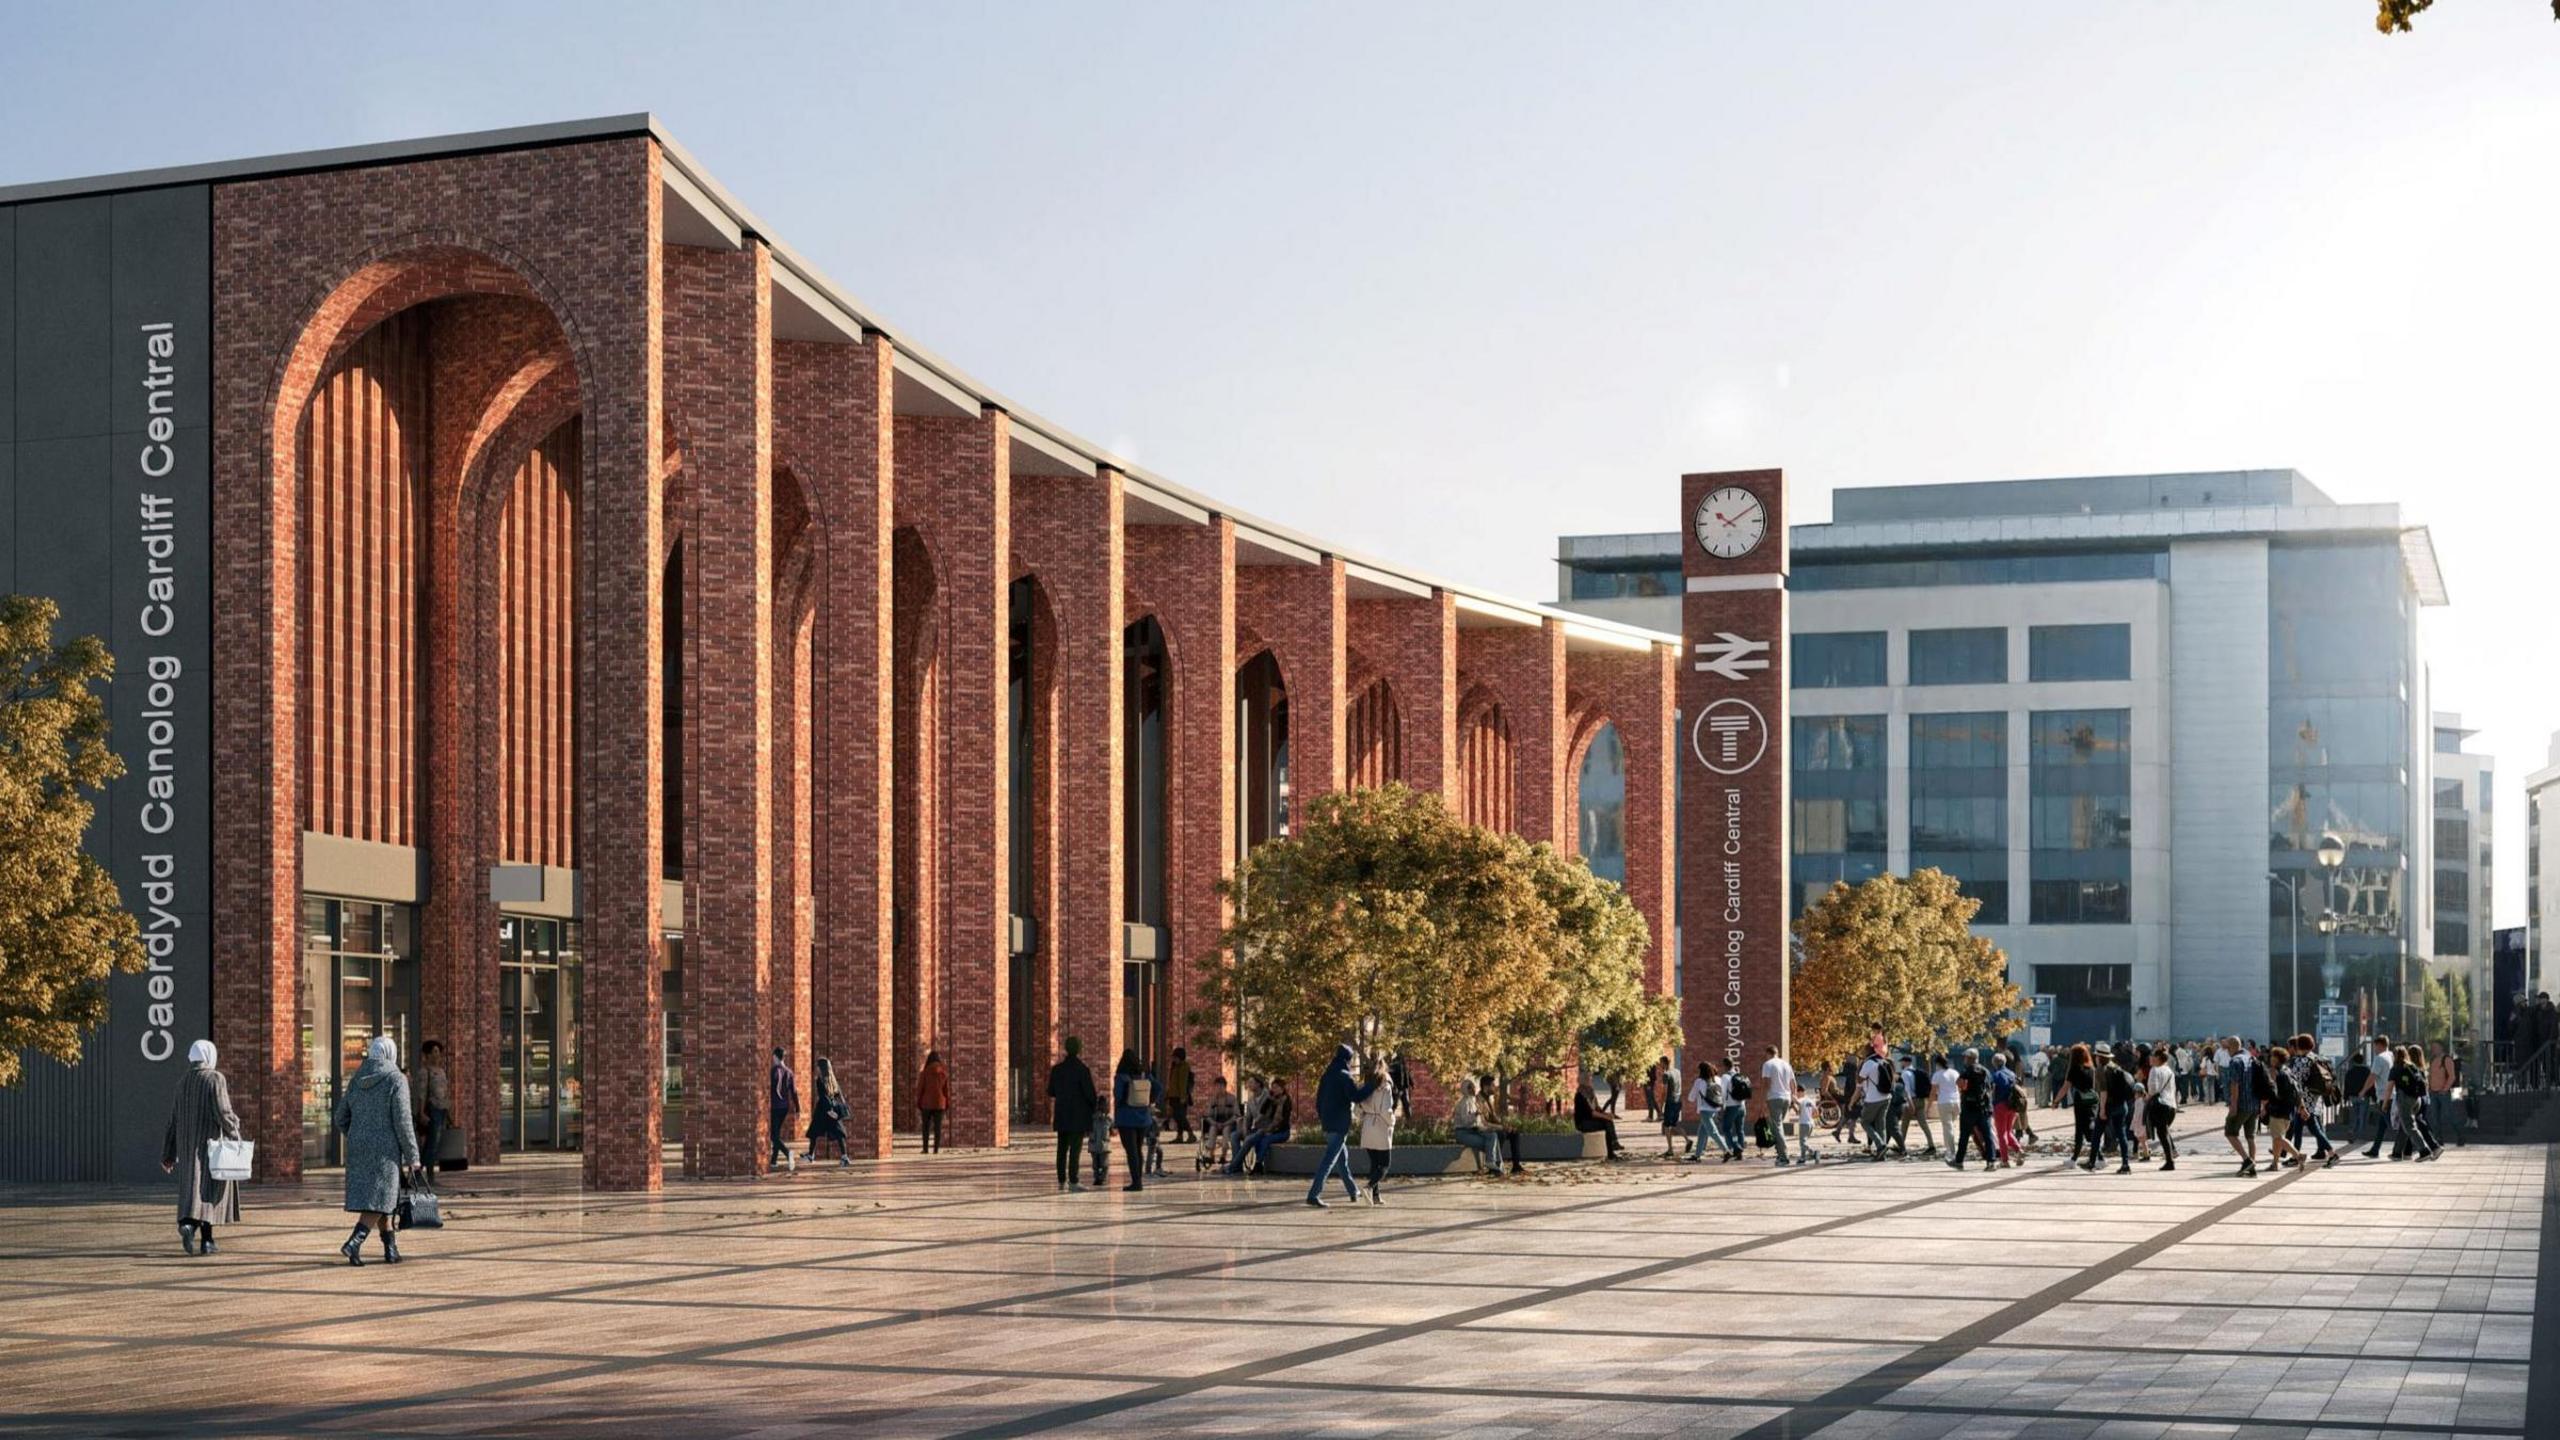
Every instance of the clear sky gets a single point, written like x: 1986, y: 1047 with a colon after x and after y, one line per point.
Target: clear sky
x: 1444, y: 281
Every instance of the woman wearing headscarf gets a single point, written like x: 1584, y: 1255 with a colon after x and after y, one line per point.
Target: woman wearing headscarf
x: 826, y: 1118
x: 201, y: 1112
x: 381, y: 1143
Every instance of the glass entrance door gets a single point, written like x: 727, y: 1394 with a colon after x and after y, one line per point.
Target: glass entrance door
x: 359, y: 980
x: 540, y: 1091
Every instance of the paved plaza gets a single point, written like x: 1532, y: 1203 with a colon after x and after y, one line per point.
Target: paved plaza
x: 961, y: 1295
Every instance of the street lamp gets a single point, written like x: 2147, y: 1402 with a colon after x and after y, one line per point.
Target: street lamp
x: 2293, y: 908
x: 2332, y: 854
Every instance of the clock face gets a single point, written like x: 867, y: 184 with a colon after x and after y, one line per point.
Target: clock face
x: 1730, y: 523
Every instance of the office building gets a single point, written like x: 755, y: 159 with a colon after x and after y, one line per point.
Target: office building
x: 2123, y: 711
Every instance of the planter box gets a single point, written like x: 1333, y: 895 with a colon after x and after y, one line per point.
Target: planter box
x: 1444, y: 1159
x: 1572, y: 1146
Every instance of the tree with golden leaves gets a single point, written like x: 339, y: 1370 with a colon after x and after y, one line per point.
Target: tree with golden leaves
x: 1899, y: 954
x: 1385, y: 921
x: 63, y: 927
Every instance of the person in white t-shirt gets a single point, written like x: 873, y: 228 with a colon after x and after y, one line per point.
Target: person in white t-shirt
x: 1705, y: 1094
x: 1778, y: 1093
x: 1875, y: 1091
x: 1946, y: 1081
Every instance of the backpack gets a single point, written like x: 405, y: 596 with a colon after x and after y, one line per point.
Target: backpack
x: 2324, y: 1081
x: 2359, y: 1075
x: 1738, y: 1091
x: 1142, y: 1091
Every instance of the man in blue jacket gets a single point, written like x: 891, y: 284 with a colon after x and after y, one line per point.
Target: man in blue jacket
x: 1336, y: 1093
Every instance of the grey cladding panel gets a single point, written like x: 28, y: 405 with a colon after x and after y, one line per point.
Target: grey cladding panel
x: 163, y: 276
x: 63, y: 264
x: 8, y: 345
x: 62, y: 529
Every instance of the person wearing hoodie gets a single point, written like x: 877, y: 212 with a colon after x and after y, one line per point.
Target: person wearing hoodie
x: 1071, y: 1107
x: 201, y: 1112
x: 381, y: 1145
x: 1336, y: 1093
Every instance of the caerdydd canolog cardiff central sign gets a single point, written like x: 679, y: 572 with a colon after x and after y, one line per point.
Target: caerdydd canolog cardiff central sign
x: 1733, y: 759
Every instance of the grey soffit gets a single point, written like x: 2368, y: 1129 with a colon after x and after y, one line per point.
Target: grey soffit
x: 924, y: 383
x: 362, y: 869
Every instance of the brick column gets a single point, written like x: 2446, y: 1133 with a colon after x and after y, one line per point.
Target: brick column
x: 1189, y: 573
x: 719, y: 332
x: 622, y: 551
x: 1525, y: 669
x: 955, y: 477
x: 1298, y: 611
x: 832, y: 426
x: 1067, y: 533
x: 1414, y: 643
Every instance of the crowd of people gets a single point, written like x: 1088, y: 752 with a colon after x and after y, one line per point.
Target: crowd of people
x: 2124, y: 1100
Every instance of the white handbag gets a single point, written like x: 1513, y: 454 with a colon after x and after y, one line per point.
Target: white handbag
x: 229, y: 1159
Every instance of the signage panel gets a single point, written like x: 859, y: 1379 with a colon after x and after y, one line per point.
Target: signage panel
x: 106, y: 471
x: 1733, y: 758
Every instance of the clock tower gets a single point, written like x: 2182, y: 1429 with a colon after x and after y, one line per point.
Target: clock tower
x: 1733, y: 759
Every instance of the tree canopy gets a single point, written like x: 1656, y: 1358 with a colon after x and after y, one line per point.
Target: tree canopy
x: 2395, y: 15
x: 1384, y: 920
x: 1899, y: 954
x: 63, y: 927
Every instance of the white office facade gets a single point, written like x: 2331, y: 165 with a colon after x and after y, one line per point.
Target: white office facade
x: 2122, y: 711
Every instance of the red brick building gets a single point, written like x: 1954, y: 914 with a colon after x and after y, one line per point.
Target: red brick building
x: 631, y: 654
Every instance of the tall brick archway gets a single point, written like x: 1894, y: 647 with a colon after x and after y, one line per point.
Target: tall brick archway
x: 501, y: 333
x: 918, y: 627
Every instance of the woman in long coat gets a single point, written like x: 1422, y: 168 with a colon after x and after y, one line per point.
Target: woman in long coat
x: 381, y: 1143
x: 826, y: 1118
x: 201, y: 1112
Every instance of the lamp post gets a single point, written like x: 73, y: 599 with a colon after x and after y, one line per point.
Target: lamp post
x: 2293, y: 908
x: 2332, y: 854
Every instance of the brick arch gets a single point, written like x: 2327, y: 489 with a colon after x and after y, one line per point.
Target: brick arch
x: 797, y: 540
x: 501, y: 363
x: 1373, y: 734
x: 1584, y: 723
x: 919, y: 631
x: 1487, y: 764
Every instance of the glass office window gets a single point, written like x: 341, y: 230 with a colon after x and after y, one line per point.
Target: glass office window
x: 2080, y: 817
x: 1625, y: 584
x: 2008, y: 569
x: 1960, y: 804
x: 1960, y: 657
x: 2449, y: 794
x: 1836, y: 659
x: 1837, y: 795
x: 2080, y: 652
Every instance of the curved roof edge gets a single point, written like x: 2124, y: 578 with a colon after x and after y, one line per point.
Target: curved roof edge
x: 733, y: 218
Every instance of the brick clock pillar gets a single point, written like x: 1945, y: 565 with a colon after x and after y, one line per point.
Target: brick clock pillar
x: 1733, y: 761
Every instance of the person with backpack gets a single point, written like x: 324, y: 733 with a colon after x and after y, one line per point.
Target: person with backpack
x: 1701, y: 1102
x: 2243, y: 1099
x: 2284, y: 1101
x: 2008, y: 1108
x: 1875, y: 1093
x: 1973, y: 1113
x: 2318, y: 1085
x: 1729, y: 1114
x: 1133, y: 1114
x: 1897, y: 1110
x: 2409, y: 1082
x: 2115, y: 1112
